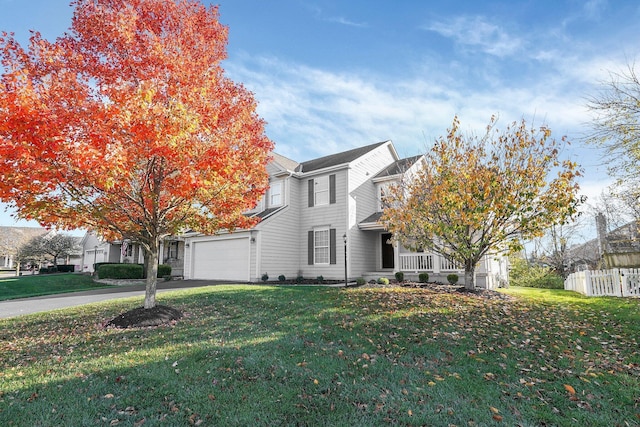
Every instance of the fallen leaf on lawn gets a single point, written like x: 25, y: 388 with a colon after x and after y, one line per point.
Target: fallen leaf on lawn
x: 494, y: 410
x: 497, y: 417
x: 570, y: 389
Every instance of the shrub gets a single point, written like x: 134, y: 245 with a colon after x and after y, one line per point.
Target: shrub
x: 534, y: 276
x: 423, y: 277
x: 452, y: 279
x: 299, y: 279
x: 400, y: 276
x: 360, y: 281
x: 120, y: 271
x: 164, y: 270
x: 383, y: 281
x: 265, y: 277
x: 320, y: 279
x: 66, y: 268
x: 282, y: 278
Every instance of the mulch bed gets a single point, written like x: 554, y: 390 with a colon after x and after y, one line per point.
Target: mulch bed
x: 141, y: 317
x: 441, y: 288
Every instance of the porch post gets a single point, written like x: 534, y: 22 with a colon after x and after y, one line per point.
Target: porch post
x: 396, y: 256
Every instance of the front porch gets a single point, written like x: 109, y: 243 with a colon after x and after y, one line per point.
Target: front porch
x: 414, y: 263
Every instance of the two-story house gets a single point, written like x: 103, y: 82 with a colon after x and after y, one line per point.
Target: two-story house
x: 320, y: 218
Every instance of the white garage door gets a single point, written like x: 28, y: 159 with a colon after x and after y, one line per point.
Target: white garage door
x: 221, y: 259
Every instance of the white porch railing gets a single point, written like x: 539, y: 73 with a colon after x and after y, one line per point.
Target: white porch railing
x: 418, y: 262
x: 622, y: 282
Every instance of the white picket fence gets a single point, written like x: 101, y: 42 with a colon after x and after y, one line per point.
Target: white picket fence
x: 617, y: 282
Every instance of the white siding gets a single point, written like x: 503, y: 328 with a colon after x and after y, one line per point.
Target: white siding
x: 363, y: 201
x: 331, y: 216
x: 278, y: 240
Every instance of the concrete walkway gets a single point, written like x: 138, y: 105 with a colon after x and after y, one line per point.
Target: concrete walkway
x: 19, y: 307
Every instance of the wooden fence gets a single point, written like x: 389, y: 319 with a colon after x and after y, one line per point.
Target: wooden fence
x: 617, y: 282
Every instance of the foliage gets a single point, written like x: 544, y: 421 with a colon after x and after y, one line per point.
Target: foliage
x: 616, y: 125
x: 299, y: 279
x: 127, y: 125
x: 265, y: 277
x: 164, y: 270
x: 383, y: 281
x: 49, y: 247
x: 524, y: 274
x: 320, y: 279
x: 282, y: 278
x: 452, y: 279
x: 287, y: 356
x: 120, y: 271
x: 360, y: 281
x: 423, y: 277
x: 29, y: 285
x: 478, y: 194
x: 399, y: 276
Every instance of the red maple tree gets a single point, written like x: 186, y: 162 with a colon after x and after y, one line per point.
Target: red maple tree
x: 127, y: 125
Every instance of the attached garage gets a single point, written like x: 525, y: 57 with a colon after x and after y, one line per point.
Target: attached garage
x: 221, y: 259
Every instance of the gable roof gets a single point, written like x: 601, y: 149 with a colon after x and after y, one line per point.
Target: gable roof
x: 285, y: 162
x: 337, y: 159
x: 398, y: 167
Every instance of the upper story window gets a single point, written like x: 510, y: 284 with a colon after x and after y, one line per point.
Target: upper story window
x: 383, y: 191
x: 322, y: 190
x: 275, y: 193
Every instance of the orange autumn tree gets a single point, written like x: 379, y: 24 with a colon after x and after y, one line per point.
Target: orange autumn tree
x: 127, y: 125
x: 477, y: 194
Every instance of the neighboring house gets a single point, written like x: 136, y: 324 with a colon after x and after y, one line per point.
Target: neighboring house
x: 619, y: 248
x: 11, y: 238
x: 96, y: 250
x: 320, y: 218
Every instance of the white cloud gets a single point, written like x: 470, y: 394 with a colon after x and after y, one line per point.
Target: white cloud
x: 478, y: 32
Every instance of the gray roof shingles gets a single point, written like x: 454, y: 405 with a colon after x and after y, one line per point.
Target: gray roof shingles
x: 337, y: 159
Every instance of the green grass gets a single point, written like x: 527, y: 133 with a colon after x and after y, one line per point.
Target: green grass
x: 296, y: 356
x: 45, y: 284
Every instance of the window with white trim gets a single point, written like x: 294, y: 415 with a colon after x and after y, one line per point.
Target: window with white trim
x: 321, y: 246
x: 275, y: 193
x: 321, y: 191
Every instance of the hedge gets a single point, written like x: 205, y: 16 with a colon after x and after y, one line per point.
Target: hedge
x: 120, y: 271
x: 164, y: 270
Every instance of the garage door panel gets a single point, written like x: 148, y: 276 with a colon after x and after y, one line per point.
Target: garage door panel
x: 221, y: 259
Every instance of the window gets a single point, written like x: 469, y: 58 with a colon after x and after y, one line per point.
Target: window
x: 322, y: 190
x: 172, y: 250
x: 382, y: 190
x: 275, y: 193
x: 321, y: 247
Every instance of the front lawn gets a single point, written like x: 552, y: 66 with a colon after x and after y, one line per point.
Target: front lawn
x: 45, y: 284
x: 297, y: 356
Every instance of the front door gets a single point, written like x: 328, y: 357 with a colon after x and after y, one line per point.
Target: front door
x: 387, y: 250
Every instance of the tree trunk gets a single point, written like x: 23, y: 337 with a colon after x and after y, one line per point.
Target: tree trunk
x: 470, y: 275
x: 151, y: 261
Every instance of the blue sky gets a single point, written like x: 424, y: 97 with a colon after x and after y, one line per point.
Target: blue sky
x: 333, y: 75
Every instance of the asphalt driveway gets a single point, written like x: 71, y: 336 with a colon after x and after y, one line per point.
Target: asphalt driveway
x: 19, y: 307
